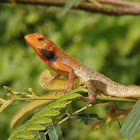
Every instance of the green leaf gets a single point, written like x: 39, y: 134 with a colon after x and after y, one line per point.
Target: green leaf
x: 41, y: 136
x: 24, y: 135
x: 131, y: 122
x: 54, y: 132
x: 49, y: 113
x: 86, y: 118
x: 34, y: 127
x: 41, y: 120
x: 68, y: 96
x: 55, y: 105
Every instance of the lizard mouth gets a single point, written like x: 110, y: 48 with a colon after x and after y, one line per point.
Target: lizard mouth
x: 49, y: 55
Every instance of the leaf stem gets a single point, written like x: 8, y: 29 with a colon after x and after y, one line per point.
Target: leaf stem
x: 106, y: 98
x: 36, y: 98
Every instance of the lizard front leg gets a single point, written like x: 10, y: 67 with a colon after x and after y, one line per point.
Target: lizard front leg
x: 71, y: 79
x: 55, y: 76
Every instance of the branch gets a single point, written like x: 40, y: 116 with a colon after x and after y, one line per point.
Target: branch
x: 114, y: 99
x: 120, y: 3
x: 99, y: 99
x: 127, y: 8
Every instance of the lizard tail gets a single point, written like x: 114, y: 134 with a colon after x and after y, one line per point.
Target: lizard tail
x: 118, y: 90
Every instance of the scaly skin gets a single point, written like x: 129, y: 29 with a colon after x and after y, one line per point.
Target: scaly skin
x: 65, y: 65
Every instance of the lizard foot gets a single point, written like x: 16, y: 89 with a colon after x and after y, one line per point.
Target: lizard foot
x: 55, y: 76
x: 46, y: 82
x: 67, y: 89
x: 91, y: 93
x: 88, y: 100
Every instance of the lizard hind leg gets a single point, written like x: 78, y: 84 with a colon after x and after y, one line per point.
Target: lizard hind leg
x: 91, y: 94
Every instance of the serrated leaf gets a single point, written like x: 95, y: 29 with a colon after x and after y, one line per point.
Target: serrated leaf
x: 54, y: 132
x: 41, y: 136
x: 34, y: 127
x: 131, y: 122
x: 68, y: 96
x: 86, y: 118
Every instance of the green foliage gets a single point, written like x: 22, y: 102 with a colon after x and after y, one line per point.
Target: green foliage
x: 86, y: 118
x: 43, y: 119
x: 54, y: 132
x: 41, y: 136
x: 107, y: 44
x: 132, y: 121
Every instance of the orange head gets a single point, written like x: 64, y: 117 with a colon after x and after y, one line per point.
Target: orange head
x: 44, y: 47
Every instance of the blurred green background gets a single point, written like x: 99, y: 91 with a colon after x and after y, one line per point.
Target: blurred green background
x: 108, y: 44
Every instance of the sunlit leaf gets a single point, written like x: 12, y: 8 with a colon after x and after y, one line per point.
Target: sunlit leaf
x: 49, y: 113
x: 23, y: 135
x: 68, y: 96
x: 41, y: 120
x: 34, y: 127
x: 56, y: 105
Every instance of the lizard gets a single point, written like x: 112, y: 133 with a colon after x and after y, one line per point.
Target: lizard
x: 67, y: 66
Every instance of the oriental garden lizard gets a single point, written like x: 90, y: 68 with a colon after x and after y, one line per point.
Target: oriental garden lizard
x: 67, y: 66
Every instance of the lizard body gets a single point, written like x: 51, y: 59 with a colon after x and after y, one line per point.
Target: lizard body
x: 65, y: 65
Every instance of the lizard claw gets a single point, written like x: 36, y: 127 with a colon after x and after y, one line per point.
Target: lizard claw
x: 56, y: 75
x: 88, y: 100
x: 46, y: 82
x: 67, y: 89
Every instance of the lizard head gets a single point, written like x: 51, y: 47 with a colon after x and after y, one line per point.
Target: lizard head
x: 44, y: 47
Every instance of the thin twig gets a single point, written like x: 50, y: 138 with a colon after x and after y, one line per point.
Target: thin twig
x: 66, y: 118
x: 76, y: 112
x: 36, y: 98
x: 100, y: 99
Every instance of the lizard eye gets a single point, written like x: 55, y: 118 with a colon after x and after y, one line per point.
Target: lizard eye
x: 40, y: 39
